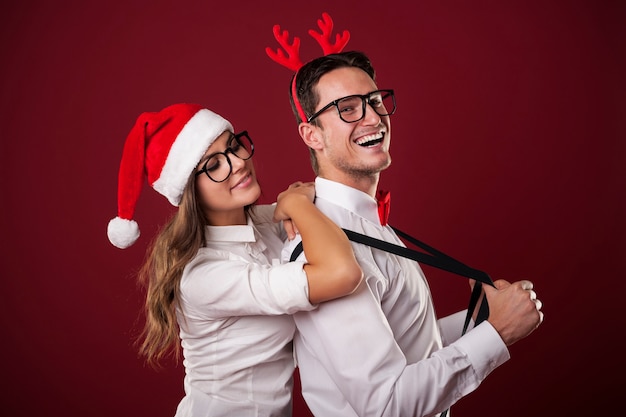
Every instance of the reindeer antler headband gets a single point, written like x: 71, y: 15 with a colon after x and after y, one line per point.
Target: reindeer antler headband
x: 289, y: 56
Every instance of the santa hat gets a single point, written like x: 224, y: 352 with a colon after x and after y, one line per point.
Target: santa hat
x: 165, y: 147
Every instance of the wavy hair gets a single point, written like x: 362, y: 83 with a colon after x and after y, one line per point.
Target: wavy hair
x: 173, y: 248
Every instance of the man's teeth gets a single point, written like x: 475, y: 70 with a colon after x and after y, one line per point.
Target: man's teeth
x: 370, y: 140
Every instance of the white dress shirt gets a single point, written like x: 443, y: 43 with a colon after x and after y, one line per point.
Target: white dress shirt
x: 381, y: 351
x: 235, y: 324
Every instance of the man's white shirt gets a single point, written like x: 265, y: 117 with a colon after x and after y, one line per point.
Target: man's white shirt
x: 382, y: 351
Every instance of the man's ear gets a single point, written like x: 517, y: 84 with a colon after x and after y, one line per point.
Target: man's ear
x: 311, y: 135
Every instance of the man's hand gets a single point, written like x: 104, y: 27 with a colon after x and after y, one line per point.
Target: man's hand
x: 514, y: 310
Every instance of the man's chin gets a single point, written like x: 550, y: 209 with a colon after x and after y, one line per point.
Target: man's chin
x: 383, y: 165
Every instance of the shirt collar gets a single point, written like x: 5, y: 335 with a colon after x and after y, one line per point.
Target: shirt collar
x: 235, y: 233
x: 356, y: 201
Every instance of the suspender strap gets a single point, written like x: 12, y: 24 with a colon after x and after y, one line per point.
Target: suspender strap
x: 434, y: 258
x: 480, y: 277
x: 296, y: 252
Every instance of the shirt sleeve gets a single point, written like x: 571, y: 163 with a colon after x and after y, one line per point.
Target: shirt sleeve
x: 452, y: 326
x: 218, y: 288
x: 347, y: 345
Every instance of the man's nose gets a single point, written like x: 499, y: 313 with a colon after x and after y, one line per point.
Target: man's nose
x: 371, y: 117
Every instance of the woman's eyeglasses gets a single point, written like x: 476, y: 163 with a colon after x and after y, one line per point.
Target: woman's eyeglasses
x: 218, y: 166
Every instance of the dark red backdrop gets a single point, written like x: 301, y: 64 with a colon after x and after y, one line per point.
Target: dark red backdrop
x: 508, y: 150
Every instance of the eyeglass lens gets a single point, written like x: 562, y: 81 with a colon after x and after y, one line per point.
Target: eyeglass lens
x: 219, y: 167
x: 352, y: 108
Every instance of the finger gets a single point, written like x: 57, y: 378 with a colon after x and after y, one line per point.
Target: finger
x: 538, y: 304
x: 290, y: 228
x: 501, y: 284
x: 526, y: 285
x: 533, y: 295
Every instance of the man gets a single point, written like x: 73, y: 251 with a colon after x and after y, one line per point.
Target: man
x: 382, y: 351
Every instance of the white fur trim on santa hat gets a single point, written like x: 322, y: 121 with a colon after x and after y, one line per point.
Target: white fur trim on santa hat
x: 122, y: 233
x: 187, y: 150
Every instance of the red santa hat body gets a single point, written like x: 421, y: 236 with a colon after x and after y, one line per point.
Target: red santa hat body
x: 165, y: 147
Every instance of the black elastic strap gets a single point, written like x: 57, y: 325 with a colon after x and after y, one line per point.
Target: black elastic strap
x: 296, y: 252
x: 438, y: 260
x: 435, y: 259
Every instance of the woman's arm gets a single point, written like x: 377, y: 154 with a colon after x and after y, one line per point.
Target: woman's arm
x: 332, y: 270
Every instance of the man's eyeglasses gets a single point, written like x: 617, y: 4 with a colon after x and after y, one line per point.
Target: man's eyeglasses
x: 351, y: 109
x: 218, y: 166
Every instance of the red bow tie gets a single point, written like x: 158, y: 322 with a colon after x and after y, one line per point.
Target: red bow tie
x: 383, y: 198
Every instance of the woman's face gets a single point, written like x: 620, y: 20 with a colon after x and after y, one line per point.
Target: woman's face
x: 224, y: 202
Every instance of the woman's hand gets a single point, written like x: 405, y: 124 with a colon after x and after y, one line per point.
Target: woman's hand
x: 296, y: 194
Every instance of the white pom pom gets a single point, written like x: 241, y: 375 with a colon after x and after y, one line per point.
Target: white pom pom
x: 123, y: 233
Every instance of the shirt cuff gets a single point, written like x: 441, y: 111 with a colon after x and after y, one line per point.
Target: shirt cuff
x: 484, y: 348
x: 292, y: 287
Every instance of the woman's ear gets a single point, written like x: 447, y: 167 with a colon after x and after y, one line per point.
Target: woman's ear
x: 311, y: 135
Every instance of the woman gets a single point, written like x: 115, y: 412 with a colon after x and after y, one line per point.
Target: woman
x: 212, y: 274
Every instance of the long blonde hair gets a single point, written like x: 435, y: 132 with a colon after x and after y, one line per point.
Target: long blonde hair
x: 173, y: 248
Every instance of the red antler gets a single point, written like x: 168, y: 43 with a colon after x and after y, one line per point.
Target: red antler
x: 293, y: 62
x: 326, y: 26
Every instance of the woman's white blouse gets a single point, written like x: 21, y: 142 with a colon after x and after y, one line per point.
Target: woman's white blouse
x: 235, y: 324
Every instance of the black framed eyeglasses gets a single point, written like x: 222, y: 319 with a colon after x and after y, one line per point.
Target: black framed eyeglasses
x: 218, y: 166
x: 351, y: 109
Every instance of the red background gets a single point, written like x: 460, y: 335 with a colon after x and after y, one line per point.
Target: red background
x: 508, y: 152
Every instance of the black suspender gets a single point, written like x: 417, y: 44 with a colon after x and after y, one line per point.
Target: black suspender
x: 434, y: 258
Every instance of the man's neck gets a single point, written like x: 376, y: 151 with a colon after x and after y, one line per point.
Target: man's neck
x: 364, y: 183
